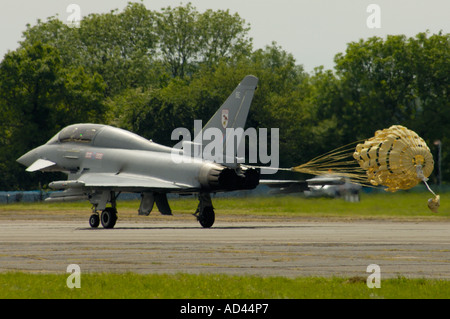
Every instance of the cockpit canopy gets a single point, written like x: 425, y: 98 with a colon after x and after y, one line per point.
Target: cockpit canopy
x: 77, y: 133
x: 104, y: 136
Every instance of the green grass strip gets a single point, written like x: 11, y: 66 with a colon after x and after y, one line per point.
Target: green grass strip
x: 21, y: 285
x: 378, y: 205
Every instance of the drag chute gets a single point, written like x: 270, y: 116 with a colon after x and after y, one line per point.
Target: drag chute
x: 396, y: 158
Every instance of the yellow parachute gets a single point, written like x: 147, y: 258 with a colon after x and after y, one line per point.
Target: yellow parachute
x: 396, y: 157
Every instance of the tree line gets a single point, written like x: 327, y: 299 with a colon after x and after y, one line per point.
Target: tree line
x: 152, y: 71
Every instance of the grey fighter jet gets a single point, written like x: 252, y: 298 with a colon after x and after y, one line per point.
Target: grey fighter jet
x: 102, y: 161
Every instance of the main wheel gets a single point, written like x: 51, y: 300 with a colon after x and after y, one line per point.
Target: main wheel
x: 207, y: 217
x: 94, y: 220
x: 109, y: 217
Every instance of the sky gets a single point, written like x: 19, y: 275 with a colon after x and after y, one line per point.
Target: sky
x: 313, y: 31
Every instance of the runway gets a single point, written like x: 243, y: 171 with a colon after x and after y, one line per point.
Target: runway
x: 265, y: 248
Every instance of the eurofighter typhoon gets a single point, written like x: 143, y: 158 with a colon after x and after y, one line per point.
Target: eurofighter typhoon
x: 102, y: 161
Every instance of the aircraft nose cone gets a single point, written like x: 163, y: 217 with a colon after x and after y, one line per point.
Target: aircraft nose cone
x: 28, y: 158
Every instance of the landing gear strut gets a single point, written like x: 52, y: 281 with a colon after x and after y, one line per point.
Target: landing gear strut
x: 205, y: 211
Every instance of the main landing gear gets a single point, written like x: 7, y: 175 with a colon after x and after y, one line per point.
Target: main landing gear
x: 108, y: 216
x: 205, y: 211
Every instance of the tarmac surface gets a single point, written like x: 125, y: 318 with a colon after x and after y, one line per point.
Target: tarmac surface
x: 264, y: 248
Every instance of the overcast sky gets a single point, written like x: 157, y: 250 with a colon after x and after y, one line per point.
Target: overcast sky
x: 312, y: 30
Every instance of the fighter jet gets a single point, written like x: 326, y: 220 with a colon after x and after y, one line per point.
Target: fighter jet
x: 103, y: 161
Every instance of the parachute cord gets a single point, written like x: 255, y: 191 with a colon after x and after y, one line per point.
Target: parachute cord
x: 429, y: 188
x: 270, y: 168
x: 433, y: 203
x: 423, y: 178
x: 419, y: 172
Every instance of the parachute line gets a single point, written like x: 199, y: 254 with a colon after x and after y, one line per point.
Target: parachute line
x: 339, y: 162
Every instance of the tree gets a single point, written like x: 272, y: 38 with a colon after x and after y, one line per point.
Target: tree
x: 222, y: 36
x: 119, y: 46
x: 376, y: 85
x: 189, y: 39
x: 39, y: 97
x: 432, y: 87
x: 155, y: 113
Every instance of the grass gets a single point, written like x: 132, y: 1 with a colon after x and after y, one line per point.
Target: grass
x: 381, y: 205
x: 401, y: 205
x: 187, y: 286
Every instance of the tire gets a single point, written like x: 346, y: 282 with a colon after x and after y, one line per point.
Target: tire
x: 94, y: 220
x: 207, y: 217
x: 109, y: 217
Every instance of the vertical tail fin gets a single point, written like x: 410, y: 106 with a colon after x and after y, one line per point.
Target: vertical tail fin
x: 233, y: 112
